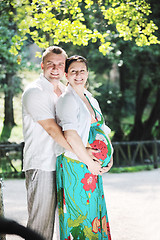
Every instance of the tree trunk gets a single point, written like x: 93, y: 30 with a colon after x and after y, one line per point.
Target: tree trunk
x: 137, y: 131
x: 154, y: 116
x: 8, y: 102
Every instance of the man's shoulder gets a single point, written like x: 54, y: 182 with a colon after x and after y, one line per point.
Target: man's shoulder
x: 34, y: 87
x: 33, y: 92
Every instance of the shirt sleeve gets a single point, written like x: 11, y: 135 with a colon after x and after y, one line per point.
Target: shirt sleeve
x: 38, y: 105
x: 67, y: 112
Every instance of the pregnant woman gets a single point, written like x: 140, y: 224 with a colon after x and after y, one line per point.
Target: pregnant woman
x: 81, y: 202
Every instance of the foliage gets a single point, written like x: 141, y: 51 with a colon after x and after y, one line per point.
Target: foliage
x: 115, y: 28
x: 9, y: 64
x: 10, y: 82
x: 137, y: 95
x: 51, y: 22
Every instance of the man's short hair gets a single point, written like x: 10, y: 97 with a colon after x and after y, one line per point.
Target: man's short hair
x: 54, y: 49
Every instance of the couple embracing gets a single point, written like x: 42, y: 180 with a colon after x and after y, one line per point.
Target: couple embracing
x: 67, y: 149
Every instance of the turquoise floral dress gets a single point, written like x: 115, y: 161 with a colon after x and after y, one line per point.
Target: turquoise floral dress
x: 81, y: 201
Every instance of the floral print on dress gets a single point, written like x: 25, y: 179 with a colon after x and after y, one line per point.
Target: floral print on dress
x: 81, y: 201
x: 89, y: 182
x: 69, y: 238
x: 102, y: 147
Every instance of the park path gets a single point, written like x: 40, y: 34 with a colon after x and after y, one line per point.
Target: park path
x: 133, y: 203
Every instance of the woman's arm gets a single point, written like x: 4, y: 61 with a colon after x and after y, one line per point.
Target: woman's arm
x: 78, y: 147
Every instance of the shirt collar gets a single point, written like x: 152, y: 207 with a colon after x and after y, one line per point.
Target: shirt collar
x: 49, y: 86
x: 70, y: 89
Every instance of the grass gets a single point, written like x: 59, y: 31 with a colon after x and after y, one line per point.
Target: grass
x: 131, y: 169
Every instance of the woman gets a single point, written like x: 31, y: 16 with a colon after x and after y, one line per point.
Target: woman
x: 81, y: 203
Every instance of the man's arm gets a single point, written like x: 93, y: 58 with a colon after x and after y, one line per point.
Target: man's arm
x: 55, y: 131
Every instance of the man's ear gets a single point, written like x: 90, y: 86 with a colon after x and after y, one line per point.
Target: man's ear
x: 42, y: 65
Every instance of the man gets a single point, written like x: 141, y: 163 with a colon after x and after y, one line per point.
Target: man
x: 41, y: 133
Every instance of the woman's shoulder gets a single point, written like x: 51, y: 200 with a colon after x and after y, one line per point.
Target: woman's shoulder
x: 67, y: 98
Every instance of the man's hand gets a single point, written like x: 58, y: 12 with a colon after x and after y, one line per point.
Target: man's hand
x: 91, y: 151
x: 94, y: 167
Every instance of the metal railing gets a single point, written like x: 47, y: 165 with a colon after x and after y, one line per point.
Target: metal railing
x: 137, y: 152
x: 125, y: 154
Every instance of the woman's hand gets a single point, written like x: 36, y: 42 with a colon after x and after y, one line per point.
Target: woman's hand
x: 106, y: 169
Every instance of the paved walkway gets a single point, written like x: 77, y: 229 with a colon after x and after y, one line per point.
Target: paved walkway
x: 133, y: 203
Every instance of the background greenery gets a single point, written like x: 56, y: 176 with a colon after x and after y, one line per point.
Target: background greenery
x: 15, y: 133
x: 120, y: 40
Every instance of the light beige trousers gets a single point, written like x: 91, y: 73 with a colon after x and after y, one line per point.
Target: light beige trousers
x: 41, y: 200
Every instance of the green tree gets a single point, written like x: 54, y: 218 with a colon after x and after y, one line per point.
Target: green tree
x: 140, y: 85
x: 52, y: 22
x: 109, y: 27
x: 138, y: 93
x: 9, y: 81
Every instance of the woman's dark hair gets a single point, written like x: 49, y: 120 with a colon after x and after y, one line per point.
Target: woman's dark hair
x: 75, y: 58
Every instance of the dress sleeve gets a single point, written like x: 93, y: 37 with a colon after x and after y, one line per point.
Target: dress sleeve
x: 37, y: 103
x: 67, y: 112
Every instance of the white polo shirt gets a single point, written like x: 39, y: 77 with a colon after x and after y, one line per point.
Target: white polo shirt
x: 73, y: 114
x: 38, y: 103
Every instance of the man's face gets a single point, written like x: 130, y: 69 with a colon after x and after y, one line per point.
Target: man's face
x: 53, y: 67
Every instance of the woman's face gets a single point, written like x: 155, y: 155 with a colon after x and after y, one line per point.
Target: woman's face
x: 77, y: 74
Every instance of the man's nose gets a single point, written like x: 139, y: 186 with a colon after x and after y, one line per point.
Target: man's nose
x: 77, y: 73
x: 54, y: 66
